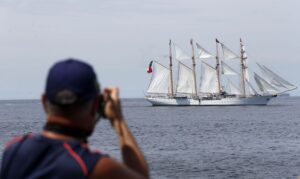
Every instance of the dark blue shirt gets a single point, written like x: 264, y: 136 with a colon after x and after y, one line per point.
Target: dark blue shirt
x: 36, y: 156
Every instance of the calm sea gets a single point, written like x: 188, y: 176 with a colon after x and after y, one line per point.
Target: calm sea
x: 192, y: 142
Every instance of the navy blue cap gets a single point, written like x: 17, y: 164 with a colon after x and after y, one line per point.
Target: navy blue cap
x: 71, y: 81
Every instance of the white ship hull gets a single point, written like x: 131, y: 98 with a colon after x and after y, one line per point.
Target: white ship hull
x: 223, y: 101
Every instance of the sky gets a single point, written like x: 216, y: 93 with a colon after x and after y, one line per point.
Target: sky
x: 120, y: 37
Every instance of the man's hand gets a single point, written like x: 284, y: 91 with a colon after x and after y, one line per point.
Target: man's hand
x: 112, y: 107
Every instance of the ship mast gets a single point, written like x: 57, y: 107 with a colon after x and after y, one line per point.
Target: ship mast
x: 194, y: 66
x: 171, y: 75
x: 218, y: 66
x: 243, y: 67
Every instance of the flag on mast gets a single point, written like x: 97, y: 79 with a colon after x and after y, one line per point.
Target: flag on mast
x: 149, y: 69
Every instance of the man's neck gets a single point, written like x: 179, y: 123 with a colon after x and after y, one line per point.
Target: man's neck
x: 54, y: 135
x: 63, y: 128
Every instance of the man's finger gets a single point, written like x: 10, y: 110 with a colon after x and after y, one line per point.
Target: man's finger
x: 113, y: 91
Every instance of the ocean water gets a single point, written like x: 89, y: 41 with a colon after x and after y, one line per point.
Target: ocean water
x: 191, y: 142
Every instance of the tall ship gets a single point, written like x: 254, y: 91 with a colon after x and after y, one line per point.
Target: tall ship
x: 217, y: 85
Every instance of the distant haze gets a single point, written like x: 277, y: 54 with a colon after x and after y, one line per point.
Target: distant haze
x: 120, y: 37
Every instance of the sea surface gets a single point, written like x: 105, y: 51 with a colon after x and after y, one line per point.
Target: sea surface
x: 191, y: 142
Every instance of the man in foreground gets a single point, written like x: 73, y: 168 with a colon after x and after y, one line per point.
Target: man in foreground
x: 73, y: 104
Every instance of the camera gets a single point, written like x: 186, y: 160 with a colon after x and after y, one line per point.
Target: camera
x: 101, y: 107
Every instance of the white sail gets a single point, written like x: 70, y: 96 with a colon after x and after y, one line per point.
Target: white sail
x: 209, y: 83
x: 185, y: 81
x: 228, y: 54
x: 278, y: 78
x: 233, y: 89
x: 270, y: 78
x: 160, y: 79
x: 275, y: 79
x: 202, y: 53
x: 264, y: 86
x: 227, y: 70
x: 180, y: 54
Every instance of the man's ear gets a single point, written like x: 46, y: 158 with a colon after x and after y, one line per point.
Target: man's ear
x: 45, y: 103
